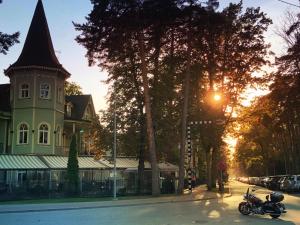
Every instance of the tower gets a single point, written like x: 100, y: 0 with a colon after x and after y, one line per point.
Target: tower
x: 37, y: 92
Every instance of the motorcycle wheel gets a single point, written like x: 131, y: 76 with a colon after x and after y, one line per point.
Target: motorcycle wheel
x: 244, y: 208
x: 274, y: 216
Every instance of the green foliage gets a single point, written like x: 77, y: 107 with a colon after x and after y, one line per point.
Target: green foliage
x: 218, y: 49
x: 72, y: 88
x: 7, y: 40
x: 73, y: 169
x: 272, y: 124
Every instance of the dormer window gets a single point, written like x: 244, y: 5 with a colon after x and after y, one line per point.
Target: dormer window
x: 69, y: 109
x: 45, y: 91
x: 88, y: 113
x: 24, y: 91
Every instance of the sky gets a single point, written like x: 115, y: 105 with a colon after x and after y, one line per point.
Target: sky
x: 16, y: 15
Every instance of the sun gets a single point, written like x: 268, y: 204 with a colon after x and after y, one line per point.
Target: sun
x: 217, y: 97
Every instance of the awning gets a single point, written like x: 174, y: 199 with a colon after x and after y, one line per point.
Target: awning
x: 167, y: 167
x: 131, y: 164
x: 125, y: 163
x: 60, y: 162
x: 21, y: 162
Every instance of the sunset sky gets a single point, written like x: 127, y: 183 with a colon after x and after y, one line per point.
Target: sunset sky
x: 15, y: 15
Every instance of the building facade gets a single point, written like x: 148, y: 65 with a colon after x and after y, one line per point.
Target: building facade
x: 37, y: 122
x: 35, y: 115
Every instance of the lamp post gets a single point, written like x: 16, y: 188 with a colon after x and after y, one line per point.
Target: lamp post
x: 115, y: 152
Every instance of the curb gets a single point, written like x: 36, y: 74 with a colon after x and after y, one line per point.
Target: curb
x: 112, y: 206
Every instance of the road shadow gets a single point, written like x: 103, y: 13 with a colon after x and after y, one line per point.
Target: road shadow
x: 219, y: 210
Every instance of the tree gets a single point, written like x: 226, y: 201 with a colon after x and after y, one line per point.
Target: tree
x: 7, y: 40
x: 133, y: 26
x: 72, y: 88
x: 73, y: 169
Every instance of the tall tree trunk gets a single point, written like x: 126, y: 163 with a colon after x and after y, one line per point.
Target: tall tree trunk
x: 142, y: 134
x: 149, y: 122
x: 141, y: 167
x: 184, y: 117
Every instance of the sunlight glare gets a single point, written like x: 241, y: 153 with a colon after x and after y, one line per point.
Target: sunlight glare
x: 217, y: 97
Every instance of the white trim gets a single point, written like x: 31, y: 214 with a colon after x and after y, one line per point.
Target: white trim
x: 18, y: 133
x: 58, y: 135
x: 49, y: 134
x: 54, y: 114
x: 34, y: 99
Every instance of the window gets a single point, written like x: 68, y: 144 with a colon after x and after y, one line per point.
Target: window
x: 43, y: 134
x: 24, y: 91
x: 23, y: 134
x: 69, y: 110
x: 88, y: 113
x: 45, y: 91
x: 21, y: 177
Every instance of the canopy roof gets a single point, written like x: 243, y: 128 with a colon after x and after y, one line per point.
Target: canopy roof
x: 132, y: 164
x: 60, y: 162
x: 27, y: 162
x: 21, y: 162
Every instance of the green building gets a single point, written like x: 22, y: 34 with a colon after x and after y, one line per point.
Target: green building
x: 35, y: 115
x: 37, y: 122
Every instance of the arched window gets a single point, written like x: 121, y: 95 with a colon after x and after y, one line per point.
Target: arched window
x: 44, y: 134
x: 23, y: 133
x: 45, y: 91
x: 24, y: 91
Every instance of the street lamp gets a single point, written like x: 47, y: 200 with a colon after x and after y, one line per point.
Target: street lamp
x: 115, y: 153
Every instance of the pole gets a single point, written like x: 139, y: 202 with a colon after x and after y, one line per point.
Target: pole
x: 189, y: 150
x: 115, y: 152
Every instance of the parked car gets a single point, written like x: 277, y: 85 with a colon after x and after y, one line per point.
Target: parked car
x: 292, y: 183
x: 283, y: 183
x: 274, y: 184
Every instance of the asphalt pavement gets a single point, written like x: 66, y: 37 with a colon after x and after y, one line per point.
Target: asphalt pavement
x: 200, y: 207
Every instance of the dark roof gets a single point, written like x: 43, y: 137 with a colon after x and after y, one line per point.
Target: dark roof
x: 79, y: 103
x: 38, y: 50
x: 4, y: 97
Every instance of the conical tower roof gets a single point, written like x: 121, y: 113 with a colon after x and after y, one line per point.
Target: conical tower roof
x: 38, y: 51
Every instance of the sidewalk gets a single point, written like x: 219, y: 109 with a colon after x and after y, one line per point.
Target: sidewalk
x: 198, y: 194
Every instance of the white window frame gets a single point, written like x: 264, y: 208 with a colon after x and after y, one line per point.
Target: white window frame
x: 43, y: 91
x: 23, y: 132
x: 44, y: 132
x: 23, y: 90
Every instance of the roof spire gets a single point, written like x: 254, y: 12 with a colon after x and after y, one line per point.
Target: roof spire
x: 38, y: 49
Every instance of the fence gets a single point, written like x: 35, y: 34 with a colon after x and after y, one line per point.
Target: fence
x: 20, y: 184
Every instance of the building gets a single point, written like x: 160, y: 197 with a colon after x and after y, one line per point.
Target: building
x: 35, y: 115
x: 37, y: 122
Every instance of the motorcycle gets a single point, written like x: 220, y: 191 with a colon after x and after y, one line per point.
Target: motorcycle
x: 273, y: 205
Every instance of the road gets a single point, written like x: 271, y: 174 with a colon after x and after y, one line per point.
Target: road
x: 208, y: 211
